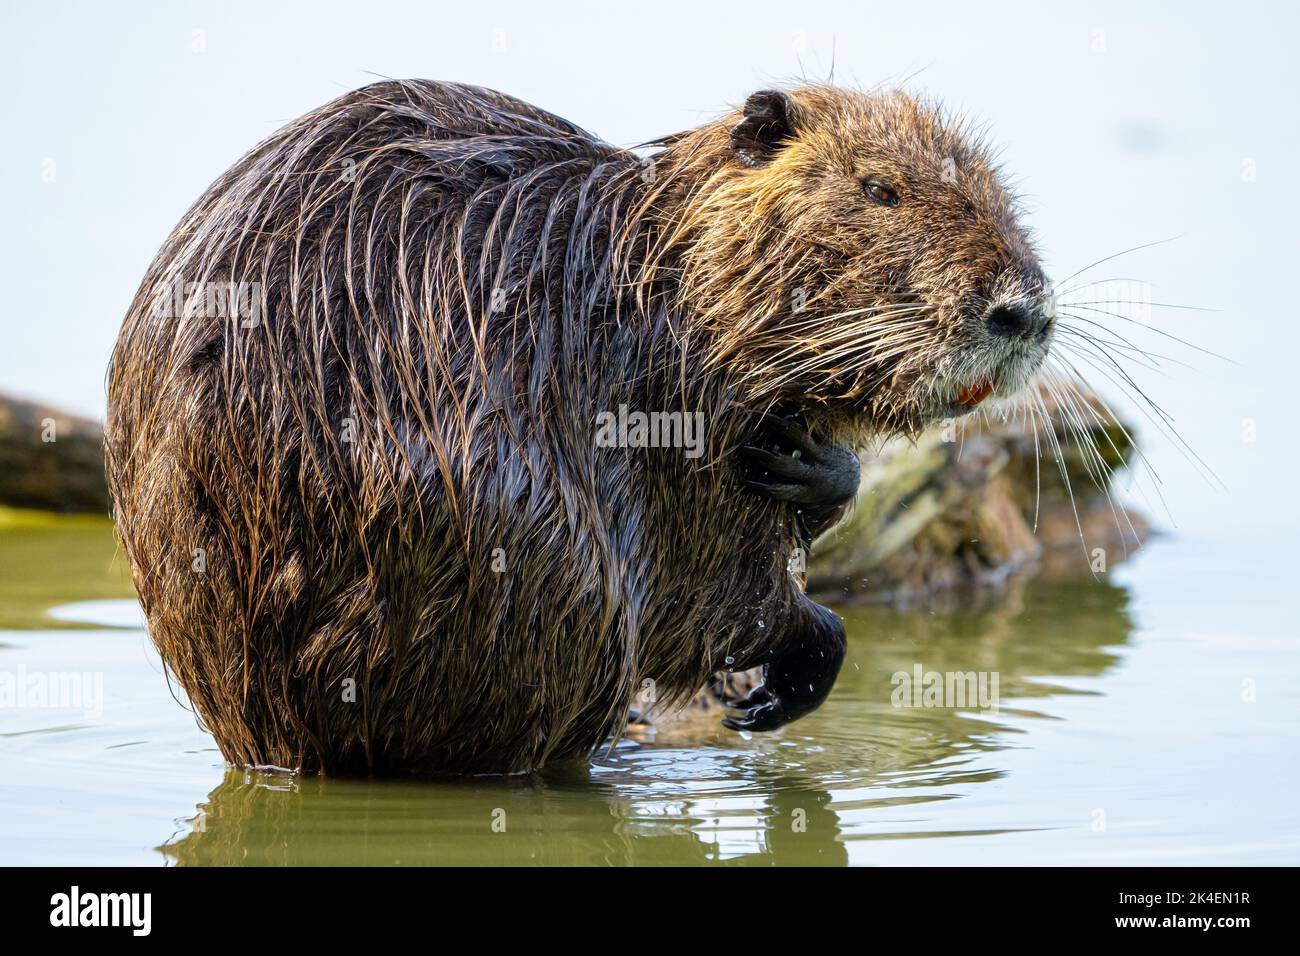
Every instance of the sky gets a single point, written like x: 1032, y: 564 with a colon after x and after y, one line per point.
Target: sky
x: 1121, y: 124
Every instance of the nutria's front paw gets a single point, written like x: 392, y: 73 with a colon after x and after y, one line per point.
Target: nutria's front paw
x: 788, y: 464
x: 797, y: 677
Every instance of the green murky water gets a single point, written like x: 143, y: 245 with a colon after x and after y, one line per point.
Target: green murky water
x: 1148, y: 718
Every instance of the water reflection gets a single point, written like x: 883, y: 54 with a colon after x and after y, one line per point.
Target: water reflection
x: 860, y: 769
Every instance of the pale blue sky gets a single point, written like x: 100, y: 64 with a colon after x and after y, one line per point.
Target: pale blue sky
x: 1122, y: 126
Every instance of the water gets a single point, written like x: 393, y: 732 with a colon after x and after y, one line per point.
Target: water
x: 1147, y: 718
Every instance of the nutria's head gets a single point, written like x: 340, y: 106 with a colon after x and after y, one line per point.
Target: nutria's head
x: 856, y: 254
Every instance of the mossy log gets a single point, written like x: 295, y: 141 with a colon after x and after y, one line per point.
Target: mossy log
x: 966, y: 505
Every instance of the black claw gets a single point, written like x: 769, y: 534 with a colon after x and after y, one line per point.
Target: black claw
x: 790, y: 431
x: 758, y: 719
x: 719, y: 685
x: 800, y: 674
x: 777, y: 492
x: 788, y: 464
x: 755, y: 698
x: 772, y: 462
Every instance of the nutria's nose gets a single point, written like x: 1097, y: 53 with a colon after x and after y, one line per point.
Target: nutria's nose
x: 1018, y: 319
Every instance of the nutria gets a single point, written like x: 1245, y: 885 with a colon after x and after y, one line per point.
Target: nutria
x: 368, y: 515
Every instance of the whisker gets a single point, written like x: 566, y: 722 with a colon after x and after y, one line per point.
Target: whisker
x: 1156, y: 305
x: 1094, y: 282
x: 1072, y: 402
x: 1122, y: 252
x: 1165, y: 424
x: 1078, y: 336
x: 857, y: 351
x: 1122, y: 343
x: 1038, y: 462
x: 1168, y: 335
x: 1156, y: 481
x: 1065, y: 474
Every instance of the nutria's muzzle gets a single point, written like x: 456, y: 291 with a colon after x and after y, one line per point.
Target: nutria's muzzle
x: 1024, y: 319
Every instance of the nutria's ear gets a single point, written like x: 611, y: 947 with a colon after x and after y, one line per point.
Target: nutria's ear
x: 768, y: 122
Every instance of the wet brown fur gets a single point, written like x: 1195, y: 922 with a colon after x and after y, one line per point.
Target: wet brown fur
x: 451, y: 284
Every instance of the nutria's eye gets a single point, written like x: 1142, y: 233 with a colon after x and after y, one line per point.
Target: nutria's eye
x: 882, y: 193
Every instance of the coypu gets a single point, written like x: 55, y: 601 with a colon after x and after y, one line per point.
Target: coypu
x: 367, y: 515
